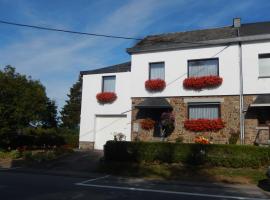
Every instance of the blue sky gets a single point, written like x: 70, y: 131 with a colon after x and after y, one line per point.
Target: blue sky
x: 56, y: 58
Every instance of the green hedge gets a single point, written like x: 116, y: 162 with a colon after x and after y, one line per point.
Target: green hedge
x: 39, y: 138
x: 196, y: 154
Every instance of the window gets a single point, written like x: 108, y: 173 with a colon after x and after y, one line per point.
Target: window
x: 157, y: 71
x: 204, y: 111
x: 205, y: 67
x: 108, y: 83
x: 264, y: 65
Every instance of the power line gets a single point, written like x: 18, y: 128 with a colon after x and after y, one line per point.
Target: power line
x: 96, y: 34
x: 68, y: 31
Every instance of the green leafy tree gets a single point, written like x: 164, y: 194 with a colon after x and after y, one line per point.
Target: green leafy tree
x: 23, y: 102
x: 70, y: 114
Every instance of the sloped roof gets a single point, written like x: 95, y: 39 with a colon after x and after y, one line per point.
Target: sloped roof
x: 154, y: 102
x: 122, y: 67
x: 261, y: 100
x: 198, y: 37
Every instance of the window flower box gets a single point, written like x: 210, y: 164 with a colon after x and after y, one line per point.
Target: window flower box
x: 106, y: 97
x: 198, y: 83
x: 199, y: 125
x: 147, y: 124
x: 155, y: 85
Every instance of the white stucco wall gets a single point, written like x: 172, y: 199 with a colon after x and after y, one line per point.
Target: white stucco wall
x: 252, y: 83
x: 92, y: 85
x: 176, y: 68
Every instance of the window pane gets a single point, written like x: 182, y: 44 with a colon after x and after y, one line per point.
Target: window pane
x: 204, y: 111
x: 264, y: 65
x: 203, y: 67
x: 157, y: 71
x: 108, y: 83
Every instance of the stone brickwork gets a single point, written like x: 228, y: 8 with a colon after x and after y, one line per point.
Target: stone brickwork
x: 86, y: 145
x: 229, y: 114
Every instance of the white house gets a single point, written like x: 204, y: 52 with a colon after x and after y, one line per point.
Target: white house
x: 213, y: 74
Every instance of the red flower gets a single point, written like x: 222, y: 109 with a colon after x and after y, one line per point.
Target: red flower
x: 198, y: 83
x: 106, y: 97
x: 199, y: 125
x: 147, y: 124
x: 155, y: 85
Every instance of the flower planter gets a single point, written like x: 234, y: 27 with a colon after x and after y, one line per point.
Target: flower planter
x: 147, y: 124
x: 155, y: 85
x: 106, y: 97
x: 199, y: 125
x: 201, y: 140
x: 198, y: 83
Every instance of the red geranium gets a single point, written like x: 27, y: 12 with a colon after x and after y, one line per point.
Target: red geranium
x: 155, y: 85
x: 198, y: 83
x: 106, y: 97
x: 199, y: 125
x: 147, y: 124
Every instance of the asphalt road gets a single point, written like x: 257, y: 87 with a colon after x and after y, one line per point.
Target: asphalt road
x: 20, y: 185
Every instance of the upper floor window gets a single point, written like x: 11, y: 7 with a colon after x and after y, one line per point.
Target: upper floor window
x: 204, y: 67
x: 204, y: 111
x: 157, y: 71
x: 264, y: 65
x: 108, y: 84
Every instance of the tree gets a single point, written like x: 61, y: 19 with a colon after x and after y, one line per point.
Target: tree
x: 23, y: 102
x: 70, y: 114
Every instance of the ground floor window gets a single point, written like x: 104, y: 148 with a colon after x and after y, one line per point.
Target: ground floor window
x: 203, y: 110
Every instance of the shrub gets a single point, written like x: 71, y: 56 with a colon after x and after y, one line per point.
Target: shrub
x: 235, y: 156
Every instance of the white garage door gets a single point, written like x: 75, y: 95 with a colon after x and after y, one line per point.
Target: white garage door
x: 107, y: 126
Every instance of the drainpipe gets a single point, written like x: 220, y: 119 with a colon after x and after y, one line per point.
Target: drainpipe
x: 241, y: 97
x: 237, y: 24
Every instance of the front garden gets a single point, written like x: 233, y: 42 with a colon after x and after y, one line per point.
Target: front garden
x: 213, y: 162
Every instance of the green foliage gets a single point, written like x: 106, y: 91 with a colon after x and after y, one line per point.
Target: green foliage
x: 23, y: 102
x: 35, y: 138
x: 10, y: 154
x: 70, y: 114
x: 196, y: 154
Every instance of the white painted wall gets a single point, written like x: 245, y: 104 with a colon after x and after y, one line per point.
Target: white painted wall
x: 92, y: 84
x: 131, y: 84
x: 176, y: 68
x: 252, y: 83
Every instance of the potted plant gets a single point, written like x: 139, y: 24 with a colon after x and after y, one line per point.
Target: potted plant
x: 155, y: 85
x: 106, y: 97
x: 198, y: 83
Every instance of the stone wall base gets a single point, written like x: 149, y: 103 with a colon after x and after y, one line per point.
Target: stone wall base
x: 86, y: 145
x: 229, y: 106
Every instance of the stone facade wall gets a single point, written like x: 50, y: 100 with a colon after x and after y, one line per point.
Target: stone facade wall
x: 86, y: 145
x: 229, y: 107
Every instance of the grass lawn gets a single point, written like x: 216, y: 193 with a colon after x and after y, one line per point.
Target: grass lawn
x: 185, y: 172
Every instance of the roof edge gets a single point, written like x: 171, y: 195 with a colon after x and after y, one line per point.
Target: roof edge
x: 204, y: 43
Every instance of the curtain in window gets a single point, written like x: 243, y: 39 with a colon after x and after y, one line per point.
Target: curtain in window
x: 157, y: 71
x: 264, y: 66
x: 203, y: 68
x: 204, y: 112
x: 108, y: 83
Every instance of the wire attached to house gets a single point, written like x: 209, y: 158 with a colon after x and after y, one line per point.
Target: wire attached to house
x: 95, y: 34
x: 67, y: 31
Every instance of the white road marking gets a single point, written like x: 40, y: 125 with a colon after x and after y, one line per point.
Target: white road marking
x: 94, y: 179
x: 167, y: 191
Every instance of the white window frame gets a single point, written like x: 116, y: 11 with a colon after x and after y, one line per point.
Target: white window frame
x: 260, y: 57
x: 206, y: 104
x: 202, y: 60
x: 152, y: 63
